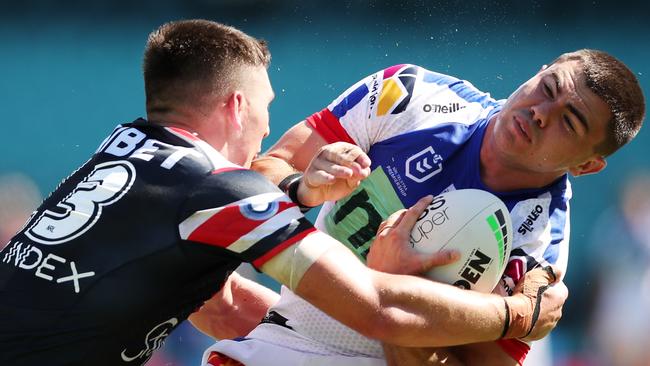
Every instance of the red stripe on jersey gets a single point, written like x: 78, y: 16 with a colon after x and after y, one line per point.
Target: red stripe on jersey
x: 227, y: 169
x: 218, y: 359
x: 515, y: 270
x: 187, y: 134
x: 392, y: 70
x: 229, y: 225
x: 515, y: 349
x: 282, y: 246
x: 329, y: 127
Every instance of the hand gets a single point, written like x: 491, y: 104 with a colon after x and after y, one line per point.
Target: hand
x: 335, y: 171
x: 392, y: 252
x: 536, y: 306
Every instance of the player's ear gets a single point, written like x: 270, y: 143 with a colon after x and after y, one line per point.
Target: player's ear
x: 235, y: 109
x: 591, y: 166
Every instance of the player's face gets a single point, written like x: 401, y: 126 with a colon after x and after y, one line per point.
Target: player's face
x: 552, y: 123
x: 255, y: 121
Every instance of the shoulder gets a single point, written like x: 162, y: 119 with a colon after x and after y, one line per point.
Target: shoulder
x: 229, y: 186
x: 238, y: 181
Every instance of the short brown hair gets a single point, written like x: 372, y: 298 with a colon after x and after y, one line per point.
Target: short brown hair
x: 189, y: 58
x: 615, y: 83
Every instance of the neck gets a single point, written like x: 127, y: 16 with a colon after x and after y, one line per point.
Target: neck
x: 174, y: 118
x: 500, y: 175
x: 202, y: 126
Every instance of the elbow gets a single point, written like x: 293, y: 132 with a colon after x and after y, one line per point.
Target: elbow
x: 384, y: 329
x: 383, y: 325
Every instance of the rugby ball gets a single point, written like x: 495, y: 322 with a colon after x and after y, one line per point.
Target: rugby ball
x: 475, y: 222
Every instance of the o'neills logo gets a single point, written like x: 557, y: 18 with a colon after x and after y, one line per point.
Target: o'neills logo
x: 439, y: 108
x: 527, y: 226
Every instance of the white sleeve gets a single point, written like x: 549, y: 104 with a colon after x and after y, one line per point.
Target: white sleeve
x: 397, y: 100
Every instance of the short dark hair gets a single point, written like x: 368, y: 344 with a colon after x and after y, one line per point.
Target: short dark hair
x: 183, y: 58
x: 615, y: 83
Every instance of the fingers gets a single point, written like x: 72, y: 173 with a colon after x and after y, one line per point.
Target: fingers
x: 440, y: 258
x: 555, y: 272
x: 346, y: 154
x: 391, y: 221
x: 396, y: 231
x: 404, y: 220
x: 536, y: 278
x: 413, y: 213
x: 562, y: 291
x: 536, y: 306
x: 549, y: 310
x: 342, y: 160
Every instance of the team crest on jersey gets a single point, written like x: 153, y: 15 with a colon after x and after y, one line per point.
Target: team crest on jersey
x: 260, y: 211
x: 424, y: 165
x: 397, y: 90
x: 81, y: 209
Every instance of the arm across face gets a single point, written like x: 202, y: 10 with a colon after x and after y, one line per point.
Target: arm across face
x: 331, y: 171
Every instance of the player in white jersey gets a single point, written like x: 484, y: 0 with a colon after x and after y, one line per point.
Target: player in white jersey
x: 427, y: 133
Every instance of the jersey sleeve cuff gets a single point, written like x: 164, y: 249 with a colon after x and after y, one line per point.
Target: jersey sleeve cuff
x: 329, y: 127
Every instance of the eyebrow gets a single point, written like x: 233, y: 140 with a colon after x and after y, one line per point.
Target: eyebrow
x: 581, y: 117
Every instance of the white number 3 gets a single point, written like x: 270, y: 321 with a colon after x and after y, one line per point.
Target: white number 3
x: 81, y: 209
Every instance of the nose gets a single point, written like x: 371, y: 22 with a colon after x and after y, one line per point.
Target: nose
x: 540, y: 115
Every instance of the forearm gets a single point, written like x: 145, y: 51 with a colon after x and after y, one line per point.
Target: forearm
x: 412, y: 311
x: 235, y: 310
x: 273, y: 168
x: 403, y: 310
x: 292, y: 153
x: 444, y: 314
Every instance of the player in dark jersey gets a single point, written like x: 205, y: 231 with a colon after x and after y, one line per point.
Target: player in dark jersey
x: 118, y: 247
x: 155, y: 221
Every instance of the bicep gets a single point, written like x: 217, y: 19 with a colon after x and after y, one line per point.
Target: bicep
x: 313, y: 267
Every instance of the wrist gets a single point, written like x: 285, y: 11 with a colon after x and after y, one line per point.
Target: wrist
x: 519, y: 317
x: 289, y: 185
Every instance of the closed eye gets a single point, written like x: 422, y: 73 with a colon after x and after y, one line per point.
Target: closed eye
x: 548, y: 91
x: 568, y: 122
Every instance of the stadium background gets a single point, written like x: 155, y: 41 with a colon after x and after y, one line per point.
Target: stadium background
x: 71, y: 71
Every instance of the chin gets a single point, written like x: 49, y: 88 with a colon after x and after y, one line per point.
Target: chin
x: 247, y: 164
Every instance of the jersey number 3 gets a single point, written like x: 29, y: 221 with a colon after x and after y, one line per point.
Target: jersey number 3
x: 81, y: 209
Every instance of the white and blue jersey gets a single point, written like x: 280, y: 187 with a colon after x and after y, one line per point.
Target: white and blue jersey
x: 423, y: 132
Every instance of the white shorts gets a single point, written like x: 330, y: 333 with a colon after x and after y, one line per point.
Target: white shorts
x: 255, y: 352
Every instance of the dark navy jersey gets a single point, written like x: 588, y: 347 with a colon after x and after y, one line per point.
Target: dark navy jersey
x: 132, y: 243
